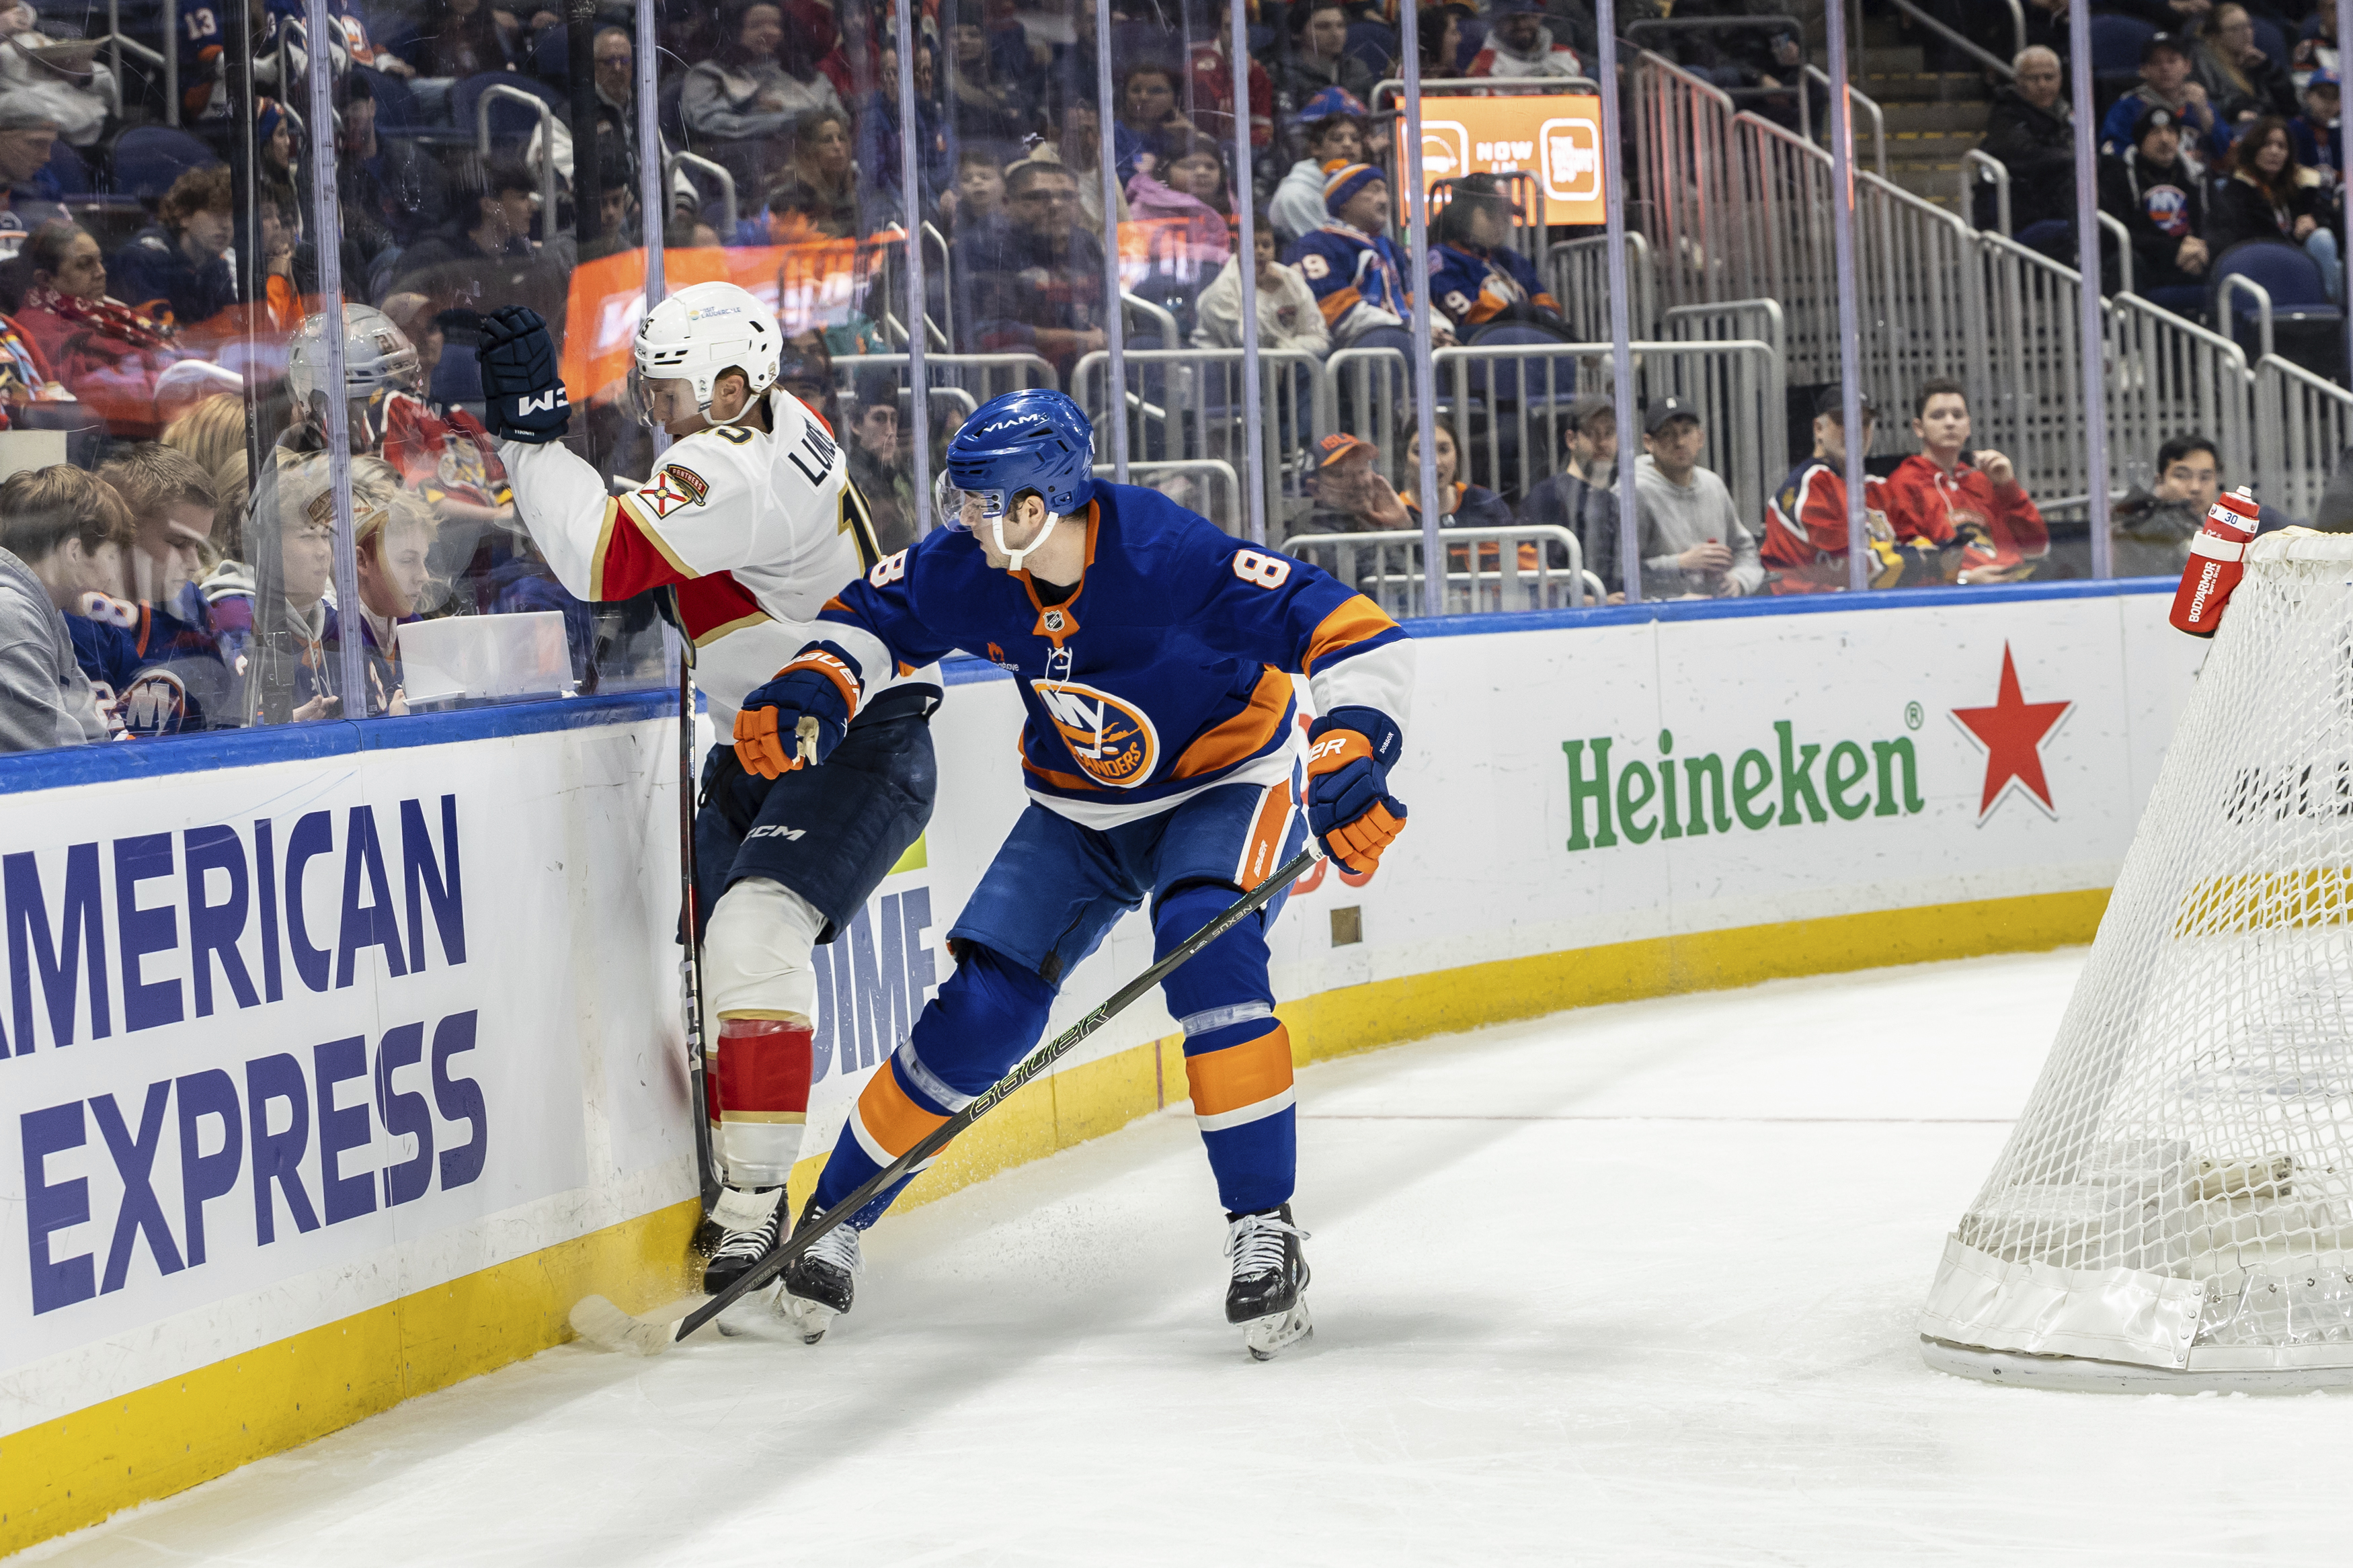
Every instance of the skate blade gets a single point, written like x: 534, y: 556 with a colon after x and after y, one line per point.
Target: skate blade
x: 1268, y: 1336
x: 808, y: 1319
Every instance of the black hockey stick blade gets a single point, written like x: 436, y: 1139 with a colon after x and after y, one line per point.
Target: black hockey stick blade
x: 596, y: 1319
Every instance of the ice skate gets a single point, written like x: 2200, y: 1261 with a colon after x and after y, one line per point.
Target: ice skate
x: 1267, y: 1296
x: 819, y: 1285
x: 750, y: 1222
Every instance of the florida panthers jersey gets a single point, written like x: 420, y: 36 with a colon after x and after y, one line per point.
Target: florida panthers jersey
x: 752, y: 529
x: 1166, y: 672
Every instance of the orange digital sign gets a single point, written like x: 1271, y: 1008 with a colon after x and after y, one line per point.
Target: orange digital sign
x: 1555, y: 137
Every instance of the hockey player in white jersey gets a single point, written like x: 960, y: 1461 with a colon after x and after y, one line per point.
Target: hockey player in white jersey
x: 750, y: 523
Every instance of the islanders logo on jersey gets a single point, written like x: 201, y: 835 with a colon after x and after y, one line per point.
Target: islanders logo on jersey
x: 1111, y: 738
x: 2167, y: 206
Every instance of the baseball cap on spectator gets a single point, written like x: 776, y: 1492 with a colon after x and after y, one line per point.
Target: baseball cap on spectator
x: 2162, y: 42
x: 1587, y: 408
x: 1345, y: 180
x: 2156, y: 116
x: 2323, y: 77
x: 1338, y: 444
x: 1664, y: 411
x: 1331, y: 101
x: 1831, y: 400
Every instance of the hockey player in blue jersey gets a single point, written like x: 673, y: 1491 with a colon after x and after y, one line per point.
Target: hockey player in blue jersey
x: 1154, y: 655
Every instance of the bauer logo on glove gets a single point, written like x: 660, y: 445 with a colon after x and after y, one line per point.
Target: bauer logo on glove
x: 1349, y: 808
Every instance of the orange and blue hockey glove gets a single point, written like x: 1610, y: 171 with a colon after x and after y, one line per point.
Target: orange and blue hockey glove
x: 1349, y: 807
x: 800, y: 716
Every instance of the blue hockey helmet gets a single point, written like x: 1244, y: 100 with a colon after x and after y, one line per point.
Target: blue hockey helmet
x: 1031, y: 441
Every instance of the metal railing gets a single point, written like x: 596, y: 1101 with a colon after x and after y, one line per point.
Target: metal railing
x: 978, y: 376
x: 1856, y: 98
x: 1684, y: 155
x: 1221, y: 503
x: 1980, y: 167
x: 2033, y: 407
x: 1527, y: 566
x: 671, y: 166
x: 499, y: 93
x: 1923, y: 307
x: 1184, y: 405
x: 1578, y: 271
x: 2115, y: 230
x: 2164, y: 376
x: 1506, y: 406
x: 2304, y: 430
x: 1991, y: 62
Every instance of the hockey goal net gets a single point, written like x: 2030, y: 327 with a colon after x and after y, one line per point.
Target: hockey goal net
x: 2175, y: 1208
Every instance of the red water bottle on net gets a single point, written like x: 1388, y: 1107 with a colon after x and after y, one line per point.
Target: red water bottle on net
x: 2218, y: 559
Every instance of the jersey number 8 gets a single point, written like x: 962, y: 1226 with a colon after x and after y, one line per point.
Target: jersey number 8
x: 1266, y: 570
x: 888, y: 570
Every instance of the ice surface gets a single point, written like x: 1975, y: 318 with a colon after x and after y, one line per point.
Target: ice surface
x: 1634, y: 1284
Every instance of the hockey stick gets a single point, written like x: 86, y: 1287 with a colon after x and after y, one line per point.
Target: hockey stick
x: 598, y: 1320
x: 690, y: 924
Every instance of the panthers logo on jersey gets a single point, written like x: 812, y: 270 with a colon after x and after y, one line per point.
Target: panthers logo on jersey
x: 1112, y: 739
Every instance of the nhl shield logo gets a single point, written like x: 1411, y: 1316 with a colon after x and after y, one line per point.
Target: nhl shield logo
x: 1112, y: 739
x: 1056, y: 620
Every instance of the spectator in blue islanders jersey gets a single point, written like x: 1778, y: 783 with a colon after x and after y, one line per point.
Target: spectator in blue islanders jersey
x: 1476, y: 278
x: 1355, y: 270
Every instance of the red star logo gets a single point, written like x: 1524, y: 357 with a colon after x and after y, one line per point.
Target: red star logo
x: 2011, y: 734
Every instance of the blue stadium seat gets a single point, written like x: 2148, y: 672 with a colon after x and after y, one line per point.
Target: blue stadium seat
x: 2306, y: 326
x: 1375, y: 44
x: 2270, y: 38
x: 2116, y: 43
x: 148, y: 158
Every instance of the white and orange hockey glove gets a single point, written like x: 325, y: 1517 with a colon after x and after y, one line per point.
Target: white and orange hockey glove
x: 1349, y: 807
x: 800, y: 716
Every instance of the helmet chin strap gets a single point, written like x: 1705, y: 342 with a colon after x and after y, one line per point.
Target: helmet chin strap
x: 1014, y: 558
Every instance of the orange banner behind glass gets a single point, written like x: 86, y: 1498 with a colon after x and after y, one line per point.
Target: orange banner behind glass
x: 1555, y: 137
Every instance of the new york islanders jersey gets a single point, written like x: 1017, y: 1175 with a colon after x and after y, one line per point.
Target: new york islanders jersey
x: 1358, y: 280
x: 1474, y: 288
x: 1166, y: 672
x: 752, y: 529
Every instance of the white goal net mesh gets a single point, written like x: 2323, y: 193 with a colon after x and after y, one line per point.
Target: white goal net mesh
x: 2178, y: 1191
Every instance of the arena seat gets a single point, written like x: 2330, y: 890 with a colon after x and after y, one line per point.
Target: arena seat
x: 148, y: 158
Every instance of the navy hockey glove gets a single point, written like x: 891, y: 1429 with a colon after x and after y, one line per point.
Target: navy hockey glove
x: 523, y: 393
x: 799, y: 717
x: 1349, y: 807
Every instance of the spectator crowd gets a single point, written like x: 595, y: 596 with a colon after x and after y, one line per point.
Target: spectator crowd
x: 169, y: 534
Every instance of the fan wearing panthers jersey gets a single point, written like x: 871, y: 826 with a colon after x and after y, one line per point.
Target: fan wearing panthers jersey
x: 1154, y: 656
x: 750, y: 524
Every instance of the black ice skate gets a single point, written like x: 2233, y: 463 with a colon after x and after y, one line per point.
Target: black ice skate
x: 1267, y: 1296
x: 751, y: 1222
x: 819, y: 1285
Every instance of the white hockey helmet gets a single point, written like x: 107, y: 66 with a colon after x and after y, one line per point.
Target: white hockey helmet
x: 378, y: 360
x: 701, y: 332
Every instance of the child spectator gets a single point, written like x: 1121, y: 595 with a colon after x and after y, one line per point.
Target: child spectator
x: 2158, y: 196
x: 177, y: 269
x: 1970, y: 504
x: 1334, y: 122
x: 1193, y: 193
x: 172, y: 505
x: 1693, y: 543
x: 1476, y: 278
x: 393, y: 537
x: 1287, y: 314
x: 980, y: 191
x: 46, y: 699
x: 212, y: 433
x: 1351, y: 496
x: 1147, y: 112
x: 1806, y: 541
x: 2270, y: 196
